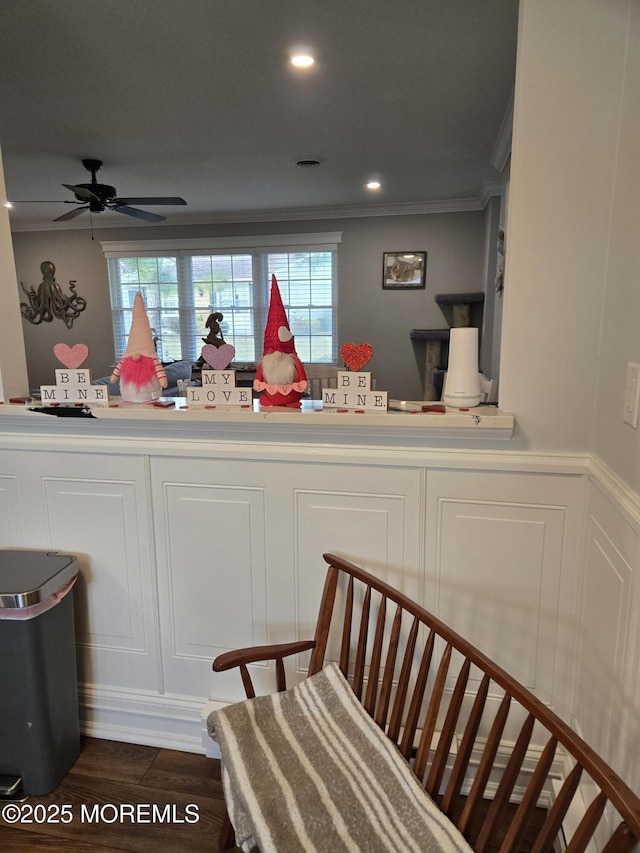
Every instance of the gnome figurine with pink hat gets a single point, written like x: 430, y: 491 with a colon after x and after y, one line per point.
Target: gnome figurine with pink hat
x: 141, y: 374
x: 280, y: 374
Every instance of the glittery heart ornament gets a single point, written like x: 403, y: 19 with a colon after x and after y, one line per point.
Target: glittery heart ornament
x: 71, y: 357
x: 218, y: 357
x: 355, y: 356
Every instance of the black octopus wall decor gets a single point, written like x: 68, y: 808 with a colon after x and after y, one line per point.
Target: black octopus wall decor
x: 49, y: 301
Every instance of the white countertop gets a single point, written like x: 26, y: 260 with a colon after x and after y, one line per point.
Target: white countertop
x: 486, y: 422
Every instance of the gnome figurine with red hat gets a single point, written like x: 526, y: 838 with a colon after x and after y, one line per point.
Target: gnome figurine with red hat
x: 141, y: 374
x: 280, y: 374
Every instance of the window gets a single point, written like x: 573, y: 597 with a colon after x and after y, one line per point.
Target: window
x: 182, y: 282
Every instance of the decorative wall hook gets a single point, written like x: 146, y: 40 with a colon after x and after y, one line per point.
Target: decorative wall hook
x: 50, y: 301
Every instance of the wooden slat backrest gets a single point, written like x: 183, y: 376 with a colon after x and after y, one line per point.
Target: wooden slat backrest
x: 530, y: 799
x: 401, y: 662
x: 478, y: 787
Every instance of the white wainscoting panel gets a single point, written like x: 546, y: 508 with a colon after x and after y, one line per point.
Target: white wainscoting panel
x: 11, y: 533
x: 501, y: 568
x: 607, y: 707
x: 372, y: 516
x: 364, y: 521
x: 97, y: 507
x: 214, y: 594
x: 496, y: 580
x: 605, y: 615
x: 210, y: 535
x: 240, y: 544
x: 106, y: 526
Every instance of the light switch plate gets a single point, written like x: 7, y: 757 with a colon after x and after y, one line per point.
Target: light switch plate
x: 631, y: 395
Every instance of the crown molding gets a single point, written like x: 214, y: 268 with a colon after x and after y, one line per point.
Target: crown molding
x: 489, y: 191
x: 460, y: 205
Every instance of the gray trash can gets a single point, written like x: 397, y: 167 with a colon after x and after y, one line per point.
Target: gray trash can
x: 39, y: 727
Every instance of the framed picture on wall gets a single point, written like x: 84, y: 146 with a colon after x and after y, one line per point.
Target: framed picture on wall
x: 403, y: 270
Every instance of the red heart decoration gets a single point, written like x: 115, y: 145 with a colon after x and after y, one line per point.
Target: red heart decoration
x: 71, y: 357
x: 355, y: 356
x: 218, y: 357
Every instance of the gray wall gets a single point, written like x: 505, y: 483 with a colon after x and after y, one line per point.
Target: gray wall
x: 455, y: 243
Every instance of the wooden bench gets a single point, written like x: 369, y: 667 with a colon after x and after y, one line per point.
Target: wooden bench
x: 463, y: 724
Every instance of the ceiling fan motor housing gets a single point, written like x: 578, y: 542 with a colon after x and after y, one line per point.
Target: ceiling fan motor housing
x: 103, y: 191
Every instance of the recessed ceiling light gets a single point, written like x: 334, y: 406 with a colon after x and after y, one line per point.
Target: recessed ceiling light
x: 308, y: 162
x: 373, y: 185
x: 302, y: 60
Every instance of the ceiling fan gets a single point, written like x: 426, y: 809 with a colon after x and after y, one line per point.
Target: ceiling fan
x: 97, y: 197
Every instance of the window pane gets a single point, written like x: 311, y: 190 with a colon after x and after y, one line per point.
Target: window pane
x: 224, y: 284
x: 128, y: 268
x: 305, y: 280
x: 167, y: 269
x: 321, y: 348
x: 156, y: 279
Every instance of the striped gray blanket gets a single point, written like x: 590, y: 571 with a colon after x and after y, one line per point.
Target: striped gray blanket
x: 309, y: 770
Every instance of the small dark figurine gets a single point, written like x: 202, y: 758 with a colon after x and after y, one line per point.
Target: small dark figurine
x: 214, y: 337
x: 50, y: 301
x: 215, y: 333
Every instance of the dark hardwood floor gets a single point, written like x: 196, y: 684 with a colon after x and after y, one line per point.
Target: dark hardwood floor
x: 104, y: 787
x: 108, y: 778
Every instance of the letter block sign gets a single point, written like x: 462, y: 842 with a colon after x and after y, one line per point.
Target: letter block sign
x: 354, y: 392
x: 73, y: 385
x: 218, y: 389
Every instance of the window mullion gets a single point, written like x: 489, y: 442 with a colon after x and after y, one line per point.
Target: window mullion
x: 117, y: 314
x: 186, y: 306
x: 334, y: 307
x: 261, y: 293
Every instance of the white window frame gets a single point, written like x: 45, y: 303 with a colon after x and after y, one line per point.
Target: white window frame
x: 182, y: 249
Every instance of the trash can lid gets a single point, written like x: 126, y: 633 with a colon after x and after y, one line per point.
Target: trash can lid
x: 29, y: 577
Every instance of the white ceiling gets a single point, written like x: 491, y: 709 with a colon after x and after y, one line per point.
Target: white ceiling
x: 195, y: 98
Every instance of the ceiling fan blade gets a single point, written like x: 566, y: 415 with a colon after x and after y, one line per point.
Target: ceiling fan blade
x: 83, y: 192
x: 71, y: 214
x: 152, y: 200
x: 140, y: 214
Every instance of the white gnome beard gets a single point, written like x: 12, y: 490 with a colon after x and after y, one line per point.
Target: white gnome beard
x: 279, y: 368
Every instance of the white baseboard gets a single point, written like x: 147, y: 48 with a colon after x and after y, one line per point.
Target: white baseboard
x: 171, y: 722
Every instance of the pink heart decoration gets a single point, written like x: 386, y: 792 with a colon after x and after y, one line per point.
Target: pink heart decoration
x: 355, y: 356
x: 218, y: 357
x: 71, y: 357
